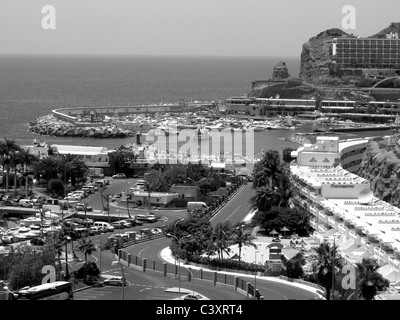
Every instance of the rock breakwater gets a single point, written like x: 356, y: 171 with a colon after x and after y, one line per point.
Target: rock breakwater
x: 51, y: 126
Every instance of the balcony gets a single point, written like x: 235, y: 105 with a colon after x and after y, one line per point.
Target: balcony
x: 314, y: 224
x: 332, y: 222
x: 313, y: 210
x: 394, y: 263
x: 322, y: 216
x: 353, y: 235
x: 341, y: 228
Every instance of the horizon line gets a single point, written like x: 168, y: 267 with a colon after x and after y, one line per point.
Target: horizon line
x: 145, y: 55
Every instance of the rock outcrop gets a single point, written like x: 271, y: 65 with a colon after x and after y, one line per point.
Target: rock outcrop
x: 280, y: 72
x: 51, y: 126
x: 316, y: 64
x: 381, y: 166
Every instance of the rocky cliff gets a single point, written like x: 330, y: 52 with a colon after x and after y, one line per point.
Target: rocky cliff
x: 316, y: 65
x: 381, y: 166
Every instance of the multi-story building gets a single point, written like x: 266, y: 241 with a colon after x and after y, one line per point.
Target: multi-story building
x: 366, y: 53
x: 96, y: 158
x: 344, y: 208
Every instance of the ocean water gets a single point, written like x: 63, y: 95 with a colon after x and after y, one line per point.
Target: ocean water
x: 32, y: 85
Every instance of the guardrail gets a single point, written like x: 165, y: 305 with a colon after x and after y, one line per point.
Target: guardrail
x: 238, y: 284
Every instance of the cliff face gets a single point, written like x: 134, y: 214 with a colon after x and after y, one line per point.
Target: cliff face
x: 318, y: 68
x: 316, y: 65
x: 381, y: 166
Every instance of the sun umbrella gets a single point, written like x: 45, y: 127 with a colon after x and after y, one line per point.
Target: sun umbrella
x: 284, y: 229
x: 274, y: 232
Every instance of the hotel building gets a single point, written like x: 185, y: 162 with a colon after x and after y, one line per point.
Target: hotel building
x: 366, y: 53
x: 343, y: 207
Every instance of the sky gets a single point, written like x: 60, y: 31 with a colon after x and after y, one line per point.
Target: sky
x: 181, y: 27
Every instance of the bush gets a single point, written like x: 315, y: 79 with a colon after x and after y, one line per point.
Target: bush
x: 56, y: 186
x: 226, y: 264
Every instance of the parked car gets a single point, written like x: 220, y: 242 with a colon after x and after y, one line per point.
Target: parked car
x: 131, y: 234
x: 7, y: 197
x: 95, y: 230
x: 156, y: 231
x: 39, y: 200
x: 81, y: 207
x: 37, y: 241
x: 119, y: 176
x: 81, y: 193
x: 27, y: 203
x: 115, y: 281
x: 146, y: 218
x: 134, y: 222
x: 9, y: 203
x: 73, y: 197
x: 120, y: 225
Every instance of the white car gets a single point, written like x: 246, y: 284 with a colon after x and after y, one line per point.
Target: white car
x: 191, y: 296
x: 156, y: 231
x: 116, y: 281
x: 73, y: 197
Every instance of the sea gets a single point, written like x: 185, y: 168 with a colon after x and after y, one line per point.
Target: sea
x: 32, y: 85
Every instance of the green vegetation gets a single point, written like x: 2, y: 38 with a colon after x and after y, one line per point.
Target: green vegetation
x: 274, y: 196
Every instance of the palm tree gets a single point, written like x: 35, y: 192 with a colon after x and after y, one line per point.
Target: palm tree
x: 72, y: 166
x: 27, y: 159
x: 242, y: 237
x: 268, y: 170
x: 106, y: 197
x: 369, y: 280
x: 265, y: 198
x: 220, y: 237
x: 48, y: 167
x: 8, y: 150
x: 128, y: 196
x: 284, y: 190
x: 87, y: 246
x: 328, y: 260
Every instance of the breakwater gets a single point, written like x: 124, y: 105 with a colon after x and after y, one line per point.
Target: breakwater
x: 49, y: 125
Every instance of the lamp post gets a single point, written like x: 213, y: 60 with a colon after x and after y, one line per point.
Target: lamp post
x: 73, y: 273
x: 179, y: 260
x: 114, y: 263
x: 255, y: 273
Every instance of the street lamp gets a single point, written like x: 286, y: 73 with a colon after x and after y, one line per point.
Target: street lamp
x: 255, y: 273
x: 73, y: 273
x: 179, y: 260
x: 114, y: 263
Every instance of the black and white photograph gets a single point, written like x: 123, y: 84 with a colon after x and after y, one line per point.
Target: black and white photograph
x: 161, y: 151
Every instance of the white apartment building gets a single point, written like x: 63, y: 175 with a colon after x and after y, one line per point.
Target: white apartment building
x: 344, y: 208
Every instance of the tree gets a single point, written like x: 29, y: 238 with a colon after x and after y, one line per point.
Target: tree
x: 294, y: 266
x: 56, y: 186
x: 242, y: 237
x: 48, y: 167
x: 220, y: 238
x: 86, y: 246
x: 327, y: 261
x: 27, y: 159
x: 26, y: 265
x: 286, y: 155
x: 268, y: 170
x: 72, y: 166
x: 369, y: 280
x: 8, y: 151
